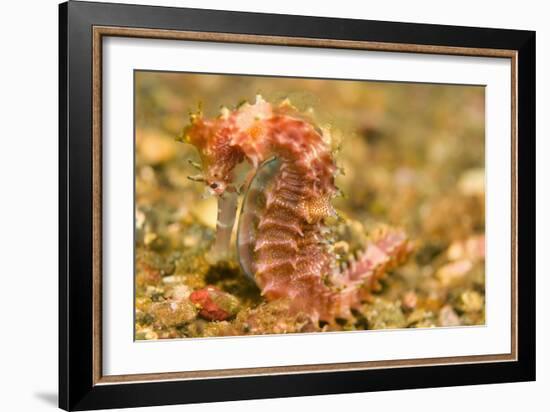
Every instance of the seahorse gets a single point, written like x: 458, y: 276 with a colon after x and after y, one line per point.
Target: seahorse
x: 283, y: 225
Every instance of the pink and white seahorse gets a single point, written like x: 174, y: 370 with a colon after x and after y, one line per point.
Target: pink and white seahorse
x: 283, y: 222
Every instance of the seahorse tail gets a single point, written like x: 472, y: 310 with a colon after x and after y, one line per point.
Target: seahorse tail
x: 361, y: 275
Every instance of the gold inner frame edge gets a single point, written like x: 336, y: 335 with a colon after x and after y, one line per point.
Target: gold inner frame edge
x: 101, y: 31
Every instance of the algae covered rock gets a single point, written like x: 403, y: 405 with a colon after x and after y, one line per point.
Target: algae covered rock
x: 383, y: 314
x: 214, y: 304
x: 174, y: 312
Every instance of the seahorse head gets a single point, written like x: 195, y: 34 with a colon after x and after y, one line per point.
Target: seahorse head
x: 226, y: 141
x: 219, y: 157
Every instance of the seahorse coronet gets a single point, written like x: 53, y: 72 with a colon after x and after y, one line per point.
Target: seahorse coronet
x: 283, y: 241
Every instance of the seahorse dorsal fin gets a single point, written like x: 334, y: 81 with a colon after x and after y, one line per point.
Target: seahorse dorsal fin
x: 317, y: 208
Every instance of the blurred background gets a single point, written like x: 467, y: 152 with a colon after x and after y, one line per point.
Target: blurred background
x: 413, y: 156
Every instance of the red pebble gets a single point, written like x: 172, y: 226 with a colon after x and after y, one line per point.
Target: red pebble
x: 208, y: 308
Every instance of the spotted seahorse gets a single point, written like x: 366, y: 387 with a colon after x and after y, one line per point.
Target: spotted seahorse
x: 282, y: 232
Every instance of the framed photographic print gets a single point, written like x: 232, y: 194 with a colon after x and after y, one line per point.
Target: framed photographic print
x: 257, y: 205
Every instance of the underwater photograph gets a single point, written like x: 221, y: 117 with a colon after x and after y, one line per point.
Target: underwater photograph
x: 276, y: 205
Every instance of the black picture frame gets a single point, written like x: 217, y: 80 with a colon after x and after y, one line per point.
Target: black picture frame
x: 77, y: 390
